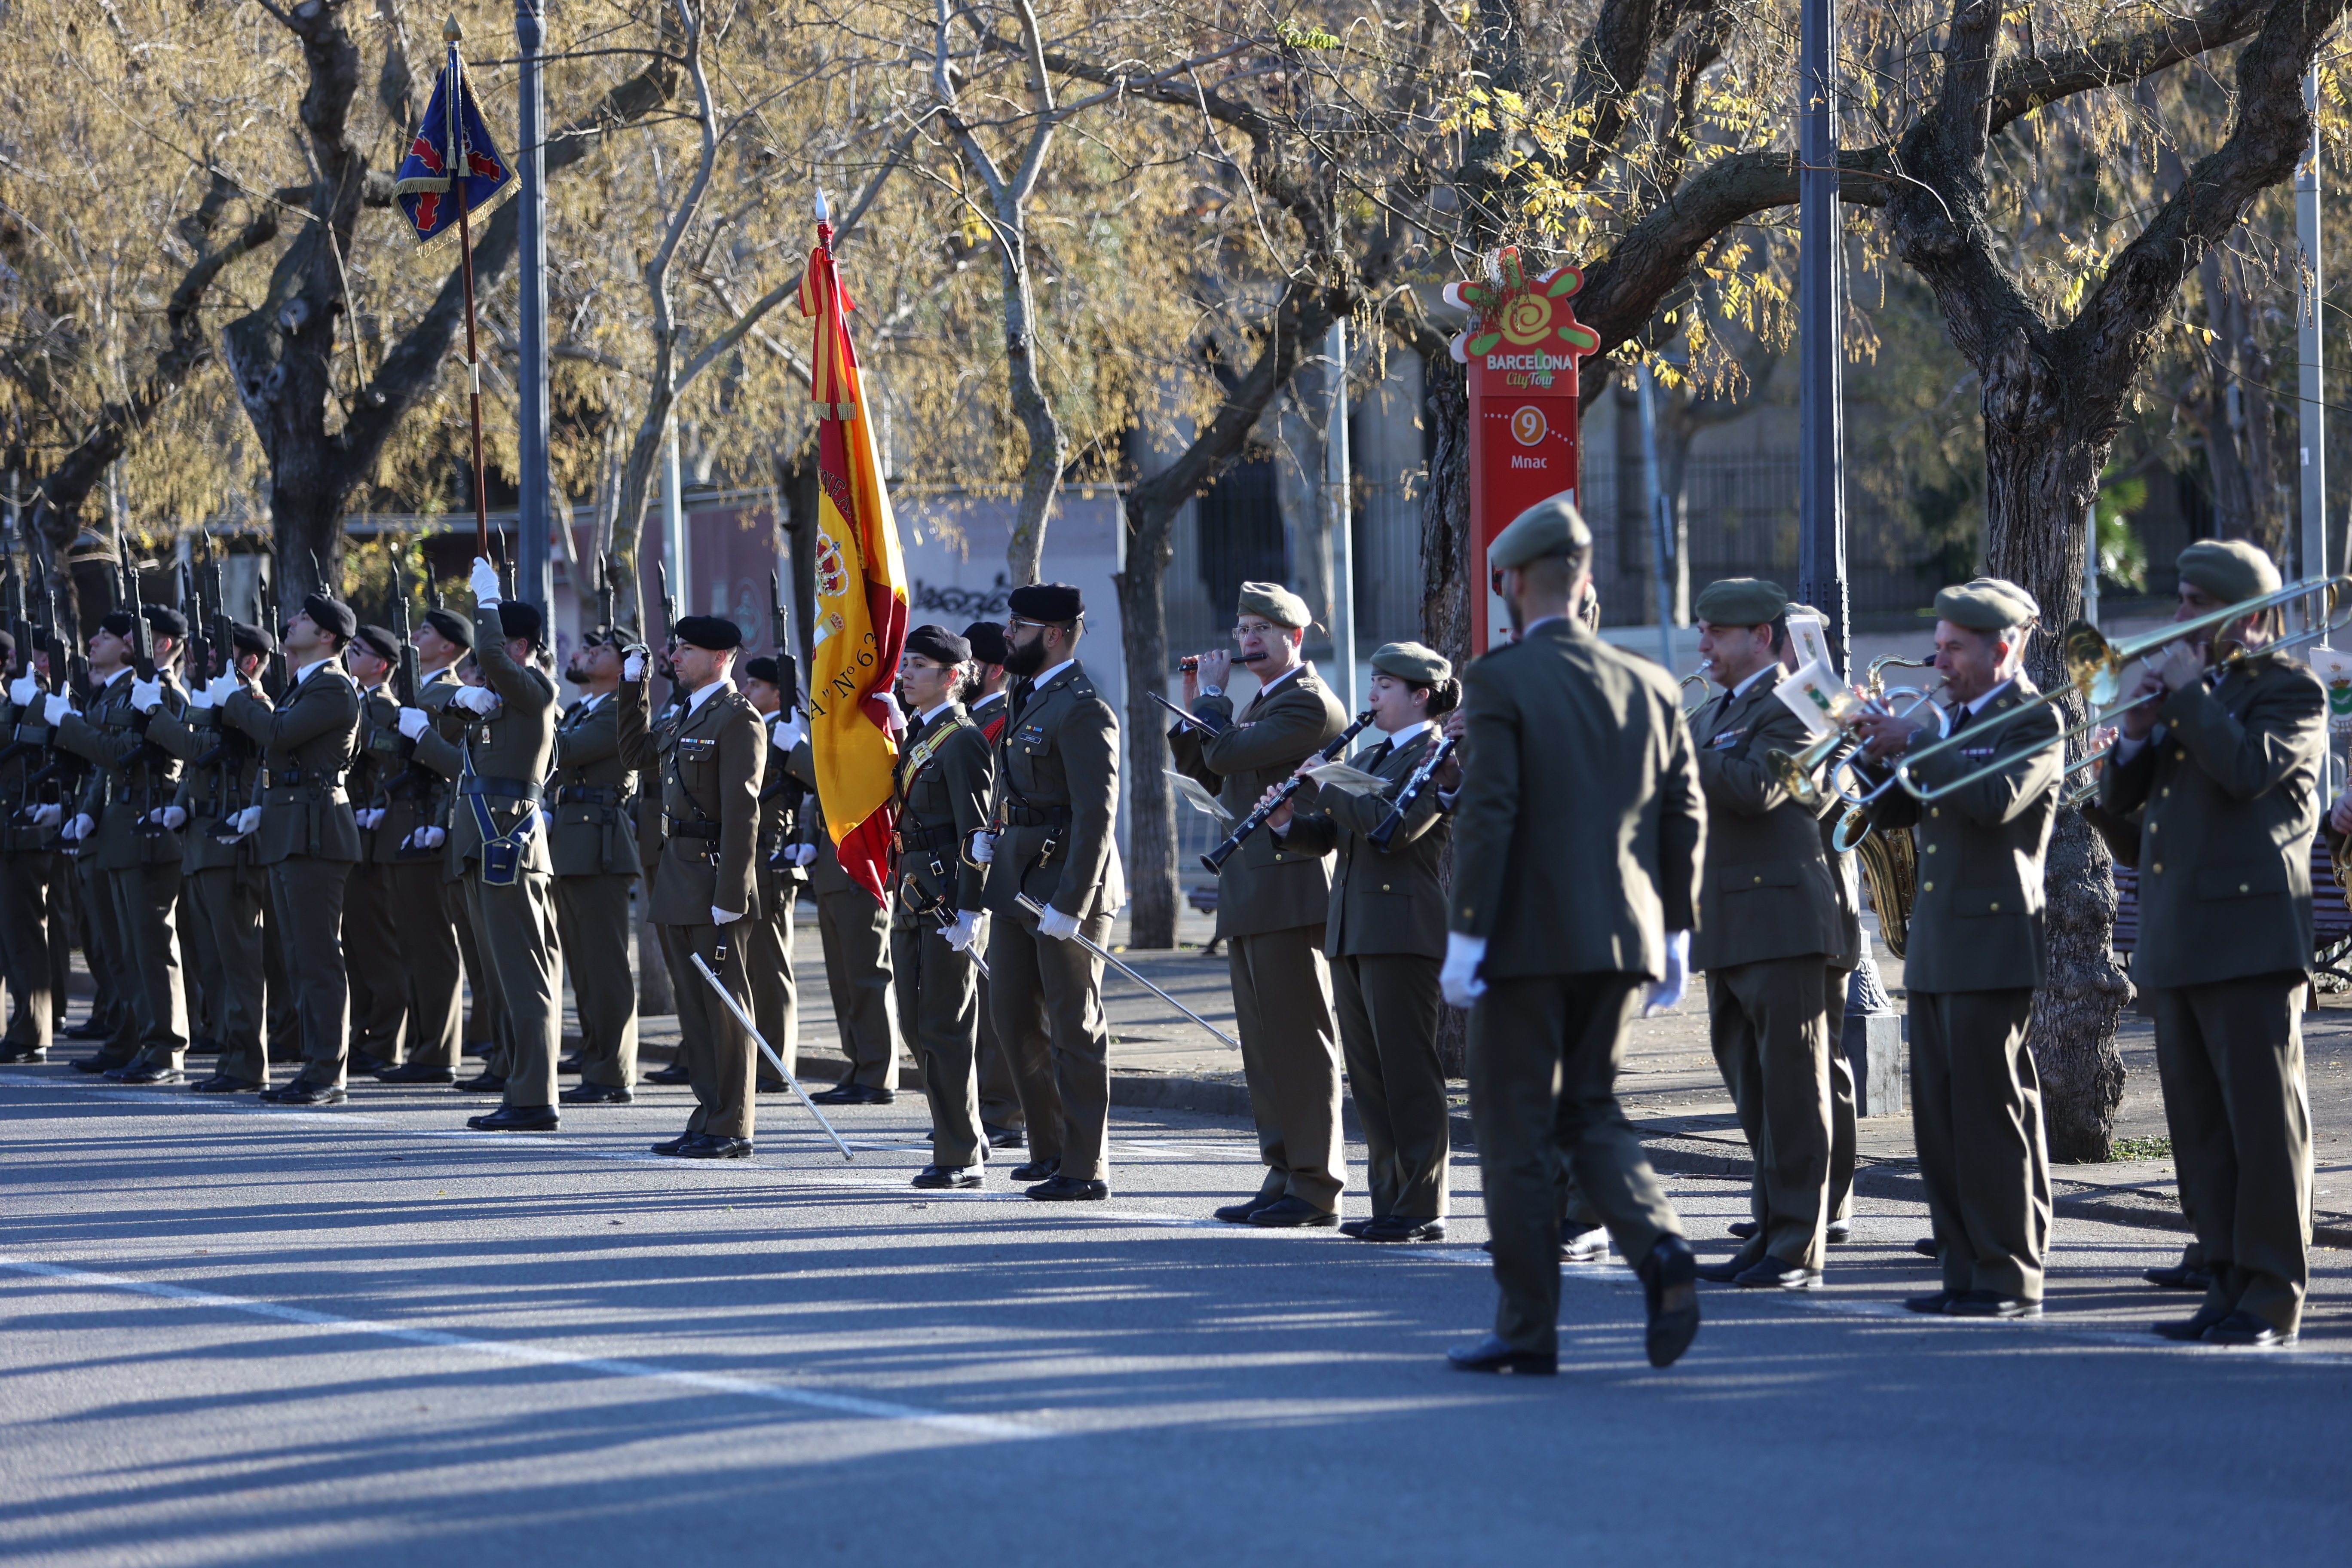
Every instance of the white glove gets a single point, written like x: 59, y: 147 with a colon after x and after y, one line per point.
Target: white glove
x: 146, y: 695
x: 427, y: 838
x: 1053, y: 923
x: 474, y: 700
x: 55, y: 709
x: 47, y: 816
x: 1666, y: 994
x: 800, y: 854
x: 246, y: 821
x: 24, y: 691
x: 201, y: 697
x: 791, y: 730
x: 964, y: 935
x: 371, y: 818
x: 78, y: 828
x: 172, y: 818
x: 221, y: 688
x: 484, y: 583
x: 898, y: 723
x: 1458, y: 976
x: 413, y: 721
x: 983, y: 848
x: 632, y: 666
x: 720, y: 916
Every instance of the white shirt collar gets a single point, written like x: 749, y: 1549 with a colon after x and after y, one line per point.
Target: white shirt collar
x: 588, y: 703
x: 703, y: 695
x: 931, y: 713
x: 1046, y: 675
x: 118, y: 675
x: 305, y: 673
x: 1758, y: 674
x: 991, y: 697
x: 447, y: 672
x: 1979, y: 705
x: 1266, y: 687
x: 1397, y: 739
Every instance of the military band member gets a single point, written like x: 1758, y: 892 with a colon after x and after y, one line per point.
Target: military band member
x: 708, y: 769
x: 986, y: 699
x: 2228, y: 757
x: 766, y: 933
x: 940, y: 790
x: 1976, y: 953
x: 1769, y: 922
x: 1576, y: 868
x: 1052, y: 813
x: 1272, y: 905
x: 592, y: 843
x: 1385, y: 937
x: 1851, y: 969
x: 28, y: 866
x: 379, y: 992
x: 855, y: 928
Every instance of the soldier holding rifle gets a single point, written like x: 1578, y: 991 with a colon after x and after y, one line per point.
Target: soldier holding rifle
x: 593, y: 843
x: 27, y: 857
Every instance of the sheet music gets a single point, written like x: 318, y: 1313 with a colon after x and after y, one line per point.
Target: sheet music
x: 1349, y: 779
x: 1202, y: 801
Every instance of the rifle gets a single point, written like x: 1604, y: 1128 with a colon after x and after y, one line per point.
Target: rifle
x: 279, y: 676
x: 143, y: 635
x: 199, y: 663
x: 403, y: 679
x: 604, y: 626
x: 668, y: 599
x: 780, y: 622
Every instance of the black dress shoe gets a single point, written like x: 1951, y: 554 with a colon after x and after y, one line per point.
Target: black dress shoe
x: 932, y: 1177
x: 517, y: 1118
x: 1670, y: 1291
x: 2189, y: 1329
x: 674, y: 1073
x: 1239, y: 1214
x: 1294, y: 1214
x: 203, y: 1046
x: 706, y: 1147
x: 2179, y: 1277
x: 94, y: 1065
x: 1355, y: 1228
x: 1494, y: 1354
x: 221, y: 1083
x: 415, y: 1072
x: 2247, y: 1331
x: 10, y: 1052
x: 301, y: 1092
x: 1397, y: 1227
x: 114, y: 1074
x: 1741, y: 1229
x: 1991, y: 1304
x: 596, y: 1094
x: 1724, y: 1272
x: 367, y: 1064
x: 1770, y: 1272
x: 88, y: 1029
x: 1060, y: 1189
x: 570, y: 1064
x: 1005, y: 1136
x: 1578, y: 1245
x: 1038, y: 1170
x: 1935, y: 1305
x: 151, y: 1073
x: 484, y: 1082
x: 849, y: 1093
x: 1925, y: 1248
x: 1838, y: 1232
x: 672, y: 1145
x: 770, y: 1086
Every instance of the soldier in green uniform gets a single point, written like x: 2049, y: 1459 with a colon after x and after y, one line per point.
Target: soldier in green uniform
x: 415, y: 767
x: 1976, y: 953
x: 445, y: 639
x: 855, y: 928
x: 659, y: 734
x: 942, y: 797
x: 766, y: 933
x: 1272, y: 905
x: 2229, y: 757
x: 27, y: 865
x: 1051, y: 836
x: 987, y: 702
x: 709, y: 770
x: 1385, y: 937
x: 1576, y: 868
x: 594, y: 844
x: 379, y: 991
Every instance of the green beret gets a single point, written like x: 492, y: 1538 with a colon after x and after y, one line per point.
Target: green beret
x: 1741, y: 602
x: 1987, y: 605
x: 2229, y: 569
x: 1276, y: 603
x: 1412, y: 663
x: 1546, y: 528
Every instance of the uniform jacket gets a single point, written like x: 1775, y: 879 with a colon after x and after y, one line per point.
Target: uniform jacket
x: 783, y: 798
x: 1056, y: 796
x: 216, y: 783
x: 659, y: 734
x: 1578, y: 832
x: 25, y: 741
x: 991, y: 713
x: 708, y: 769
x: 1382, y: 901
x: 129, y: 777
x: 1264, y: 886
x: 307, y: 742
x: 1975, y: 923
x: 592, y: 795
x: 941, y: 804
x: 1768, y: 891
x: 2231, y: 790
x: 508, y: 753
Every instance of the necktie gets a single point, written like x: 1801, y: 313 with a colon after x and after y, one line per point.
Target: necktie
x: 1376, y: 755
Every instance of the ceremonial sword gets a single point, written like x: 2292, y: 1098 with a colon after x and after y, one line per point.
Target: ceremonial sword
x: 1099, y: 951
x: 769, y: 1052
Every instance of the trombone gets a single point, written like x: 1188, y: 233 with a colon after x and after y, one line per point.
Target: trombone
x: 1697, y: 678
x: 1794, y: 769
x: 2094, y: 673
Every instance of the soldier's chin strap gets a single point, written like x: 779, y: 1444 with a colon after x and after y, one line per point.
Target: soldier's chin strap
x: 767, y: 1051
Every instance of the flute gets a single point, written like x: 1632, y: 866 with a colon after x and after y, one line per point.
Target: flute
x: 1191, y: 662
x: 1410, y: 797
x: 1215, y: 858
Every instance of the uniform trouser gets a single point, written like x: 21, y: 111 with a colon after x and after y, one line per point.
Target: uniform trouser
x: 1843, y: 1127
x: 1767, y: 1024
x: 25, y: 958
x: 1544, y: 1052
x: 64, y: 924
x: 1976, y: 1117
x: 938, y: 1002
x: 308, y: 896
x: 1290, y: 1057
x: 592, y: 917
x: 1000, y: 1090
x: 415, y: 889
x: 227, y: 900
x: 767, y: 944
x: 2231, y: 1057
x: 1047, y: 997
x: 718, y: 1052
x: 200, y: 952
x: 146, y: 901
x: 514, y: 926
x: 856, y: 932
x: 379, y: 984
x: 1388, y: 1011
x: 283, y: 1009
x: 103, y: 945
x: 484, y: 1033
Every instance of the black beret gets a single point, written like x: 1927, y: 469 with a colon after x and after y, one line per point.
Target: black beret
x: 117, y: 622
x: 937, y: 643
x: 251, y: 638
x: 521, y: 618
x: 381, y: 642
x: 166, y: 621
x: 716, y: 633
x: 331, y: 615
x: 1050, y: 602
x: 761, y: 669
x: 987, y: 639
x: 451, y: 625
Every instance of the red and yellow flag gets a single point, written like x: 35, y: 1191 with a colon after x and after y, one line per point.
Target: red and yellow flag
x: 861, y: 592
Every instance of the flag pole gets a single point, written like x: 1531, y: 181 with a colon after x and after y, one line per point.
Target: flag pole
x: 458, y: 170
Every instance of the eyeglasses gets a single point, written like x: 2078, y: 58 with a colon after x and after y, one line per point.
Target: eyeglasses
x: 1258, y: 628
x: 1021, y: 623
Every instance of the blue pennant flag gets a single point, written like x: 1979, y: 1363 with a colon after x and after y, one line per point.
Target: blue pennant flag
x: 421, y: 183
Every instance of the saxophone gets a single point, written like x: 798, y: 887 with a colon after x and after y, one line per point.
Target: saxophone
x: 1889, y: 857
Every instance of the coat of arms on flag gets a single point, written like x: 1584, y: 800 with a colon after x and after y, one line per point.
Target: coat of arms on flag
x: 421, y: 183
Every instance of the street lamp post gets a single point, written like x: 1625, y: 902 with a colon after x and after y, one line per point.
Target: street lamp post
x: 531, y: 506
x: 1821, y: 488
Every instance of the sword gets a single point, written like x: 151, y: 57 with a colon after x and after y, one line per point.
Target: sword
x: 769, y: 1052
x: 1099, y: 951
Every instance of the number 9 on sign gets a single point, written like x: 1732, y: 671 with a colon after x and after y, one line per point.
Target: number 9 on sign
x: 1529, y: 426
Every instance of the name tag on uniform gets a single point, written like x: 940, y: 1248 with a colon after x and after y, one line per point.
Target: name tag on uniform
x: 696, y: 749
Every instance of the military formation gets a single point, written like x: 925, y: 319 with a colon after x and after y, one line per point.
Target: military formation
x: 349, y: 824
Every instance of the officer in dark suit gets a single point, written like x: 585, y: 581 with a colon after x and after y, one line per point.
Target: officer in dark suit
x: 1976, y: 951
x: 1576, y: 869
x: 2229, y: 756
x: 986, y: 699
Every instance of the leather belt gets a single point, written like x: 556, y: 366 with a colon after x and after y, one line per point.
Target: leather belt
x: 512, y: 789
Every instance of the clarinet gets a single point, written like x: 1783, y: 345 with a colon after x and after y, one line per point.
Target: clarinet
x: 1215, y: 858
x: 1410, y: 797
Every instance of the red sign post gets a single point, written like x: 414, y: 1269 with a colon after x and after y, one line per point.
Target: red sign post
x: 1521, y: 351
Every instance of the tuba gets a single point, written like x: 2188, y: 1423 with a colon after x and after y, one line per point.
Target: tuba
x: 1889, y: 861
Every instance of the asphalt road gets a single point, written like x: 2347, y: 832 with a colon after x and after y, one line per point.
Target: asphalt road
x: 234, y: 1333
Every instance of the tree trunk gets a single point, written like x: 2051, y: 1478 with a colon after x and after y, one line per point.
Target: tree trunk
x: 1144, y: 633
x: 1041, y: 475
x: 1446, y: 584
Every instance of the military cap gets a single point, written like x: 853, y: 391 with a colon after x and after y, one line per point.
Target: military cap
x: 381, y: 642
x: 451, y: 625
x: 714, y: 633
x: 1546, y: 528
x: 251, y: 638
x: 987, y: 639
x: 1741, y: 602
x: 937, y: 643
x: 1053, y: 603
x: 165, y: 621
x: 1987, y: 605
x: 1411, y: 662
x: 330, y: 614
x: 2229, y: 569
x: 763, y: 668
x: 521, y: 618
x: 1276, y: 603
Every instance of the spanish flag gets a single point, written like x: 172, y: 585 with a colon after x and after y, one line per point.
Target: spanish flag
x: 861, y: 590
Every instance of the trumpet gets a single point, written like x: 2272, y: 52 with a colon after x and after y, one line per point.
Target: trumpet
x: 1700, y: 678
x: 2094, y: 673
x: 1855, y: 826
x: 1794, y: 769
